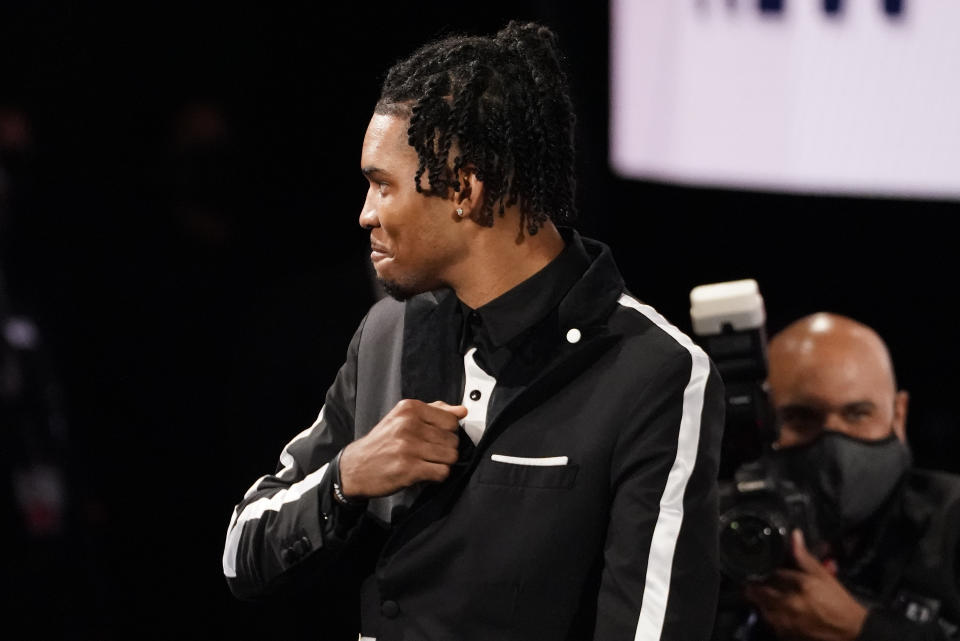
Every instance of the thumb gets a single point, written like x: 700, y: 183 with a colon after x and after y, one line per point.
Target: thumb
x: 457, y: 410
x: 805, y: 560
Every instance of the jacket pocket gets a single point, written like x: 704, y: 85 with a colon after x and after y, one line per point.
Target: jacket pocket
x: 551, y: 472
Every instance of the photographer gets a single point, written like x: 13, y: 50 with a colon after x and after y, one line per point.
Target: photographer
x: 886, y: 566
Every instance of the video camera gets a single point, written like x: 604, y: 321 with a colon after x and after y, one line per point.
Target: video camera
x: 758, y: 506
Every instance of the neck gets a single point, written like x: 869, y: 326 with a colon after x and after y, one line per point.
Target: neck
x: 500, y: 259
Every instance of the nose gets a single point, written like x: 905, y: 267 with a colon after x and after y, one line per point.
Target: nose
x: 834, y: 422
x: 368, y: 215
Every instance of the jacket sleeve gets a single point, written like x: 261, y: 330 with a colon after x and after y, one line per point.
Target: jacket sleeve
x: 885, y: 625
x: 660, y: 576
x: 288, y: 520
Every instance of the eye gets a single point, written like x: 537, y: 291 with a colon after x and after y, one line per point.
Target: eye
x: 801, y: 418
x: 856, y: 413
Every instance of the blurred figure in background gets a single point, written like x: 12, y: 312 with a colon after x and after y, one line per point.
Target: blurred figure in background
x: 887, y: 566
x: 46, y: 589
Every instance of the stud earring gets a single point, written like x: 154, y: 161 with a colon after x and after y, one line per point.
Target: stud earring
x: 460, y: 212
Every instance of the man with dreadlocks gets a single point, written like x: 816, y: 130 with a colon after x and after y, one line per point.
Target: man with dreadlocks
x: 515, y: 448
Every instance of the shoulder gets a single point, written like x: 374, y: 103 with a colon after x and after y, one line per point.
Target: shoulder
x: 661, y: 358
x: 648, y: 333
x: 384, y: 318
x: 385, y: 308
x: 930, y: 499
x: 934, y: 487
x: 601, y: 297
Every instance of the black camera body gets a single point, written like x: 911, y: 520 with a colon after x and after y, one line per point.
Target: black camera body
x: 758, y: 506
x: 758, y: 511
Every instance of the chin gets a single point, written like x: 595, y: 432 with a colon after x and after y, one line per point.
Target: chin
x: 398, y: 291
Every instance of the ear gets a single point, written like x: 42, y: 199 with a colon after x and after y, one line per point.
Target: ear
x: 471, y: 193
x: 900, y: 403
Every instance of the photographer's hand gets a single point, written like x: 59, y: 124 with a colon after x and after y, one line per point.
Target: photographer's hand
x: 808, y: 602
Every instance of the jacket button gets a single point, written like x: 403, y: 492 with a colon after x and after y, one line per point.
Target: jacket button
x: 302, y: 546
x: 390, y: 609
x: 288, y: 556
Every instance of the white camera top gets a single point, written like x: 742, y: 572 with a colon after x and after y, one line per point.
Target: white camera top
x: 737, y: 303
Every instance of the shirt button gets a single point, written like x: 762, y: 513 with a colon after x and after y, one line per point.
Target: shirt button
x: 390, y: 609
x: 573, y: 335
x: 475, y: 395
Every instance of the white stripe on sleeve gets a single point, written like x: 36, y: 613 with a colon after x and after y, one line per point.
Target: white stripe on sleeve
x: 256, y: 509
x: 286, y: 459
x: 665, y: 533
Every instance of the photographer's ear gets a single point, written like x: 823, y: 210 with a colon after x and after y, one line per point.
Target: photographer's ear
x: 900, y: 403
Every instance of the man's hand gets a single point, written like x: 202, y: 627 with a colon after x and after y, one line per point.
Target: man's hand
x: 414, y: 442
x: 809, y: 602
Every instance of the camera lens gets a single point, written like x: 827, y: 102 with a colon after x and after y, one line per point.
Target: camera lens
x: 751, y: 545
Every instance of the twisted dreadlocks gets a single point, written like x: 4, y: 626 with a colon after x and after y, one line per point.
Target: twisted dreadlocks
x: 503, y: 104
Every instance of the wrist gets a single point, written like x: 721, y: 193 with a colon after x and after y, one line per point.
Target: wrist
x: 339, y: 495
x: 857, y: 620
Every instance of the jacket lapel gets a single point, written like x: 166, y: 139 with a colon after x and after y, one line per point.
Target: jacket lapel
x: 424, y: 375
x: 429, y: 337
x: 548, y: 359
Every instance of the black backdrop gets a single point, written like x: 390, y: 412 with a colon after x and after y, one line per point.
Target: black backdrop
x: 185, y: 234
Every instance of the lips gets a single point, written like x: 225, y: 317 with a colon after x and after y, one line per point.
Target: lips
x: 377, y: 251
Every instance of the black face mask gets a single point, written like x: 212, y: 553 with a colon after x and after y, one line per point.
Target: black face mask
x: 848, y: 478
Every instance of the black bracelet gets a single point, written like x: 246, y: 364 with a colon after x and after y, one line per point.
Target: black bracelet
x: 338, y: 494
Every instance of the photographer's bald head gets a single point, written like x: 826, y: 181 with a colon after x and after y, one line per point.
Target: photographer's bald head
x: 830, y: 372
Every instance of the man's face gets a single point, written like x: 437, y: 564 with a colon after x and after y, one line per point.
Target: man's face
x: 416, y: 240
x: 834, y: 382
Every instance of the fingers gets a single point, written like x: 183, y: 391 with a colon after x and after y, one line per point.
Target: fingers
x: 434, y: 453
x: 416, y: 423
x: 437, y: 436
x: 457, y: 410
x: 763, y: 593
x: 787, y: 580
x: 438, y: 431
x: 805, y: 561
x: 436, y: 472
x: 414, y: 442
x: 778, y: 608
x: 437, y: 413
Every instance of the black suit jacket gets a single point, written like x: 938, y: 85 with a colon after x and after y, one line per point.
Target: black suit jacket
x: 587, y: 510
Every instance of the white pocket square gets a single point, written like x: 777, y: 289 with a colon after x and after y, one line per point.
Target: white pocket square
x: 523, y: 460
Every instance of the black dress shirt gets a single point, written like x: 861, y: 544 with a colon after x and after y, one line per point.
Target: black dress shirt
x: 499, y: 328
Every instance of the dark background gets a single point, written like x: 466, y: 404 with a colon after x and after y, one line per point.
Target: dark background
x: 183, y: 228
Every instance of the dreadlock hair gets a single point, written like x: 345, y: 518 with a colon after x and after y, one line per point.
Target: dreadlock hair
x: 503, y: 104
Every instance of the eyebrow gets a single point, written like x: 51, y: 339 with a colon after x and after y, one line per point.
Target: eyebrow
x: 371, y: 171
x: 860, y: 405
x: 819, y: 408
x: 801, y: 408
